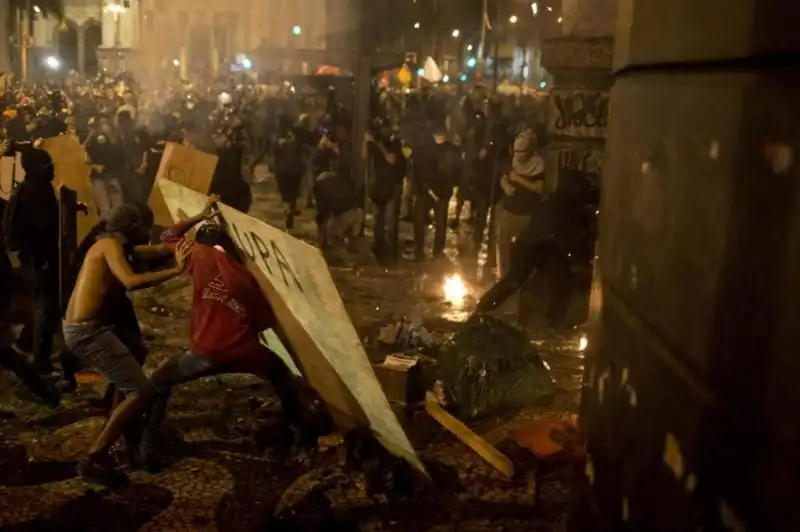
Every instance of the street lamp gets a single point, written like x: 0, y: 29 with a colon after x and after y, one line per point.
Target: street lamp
x: 513, y: 19
x: 535, y: 8
x: 456, y: 33
x: 52, y: 62
x: 416, y: 25
x: 297, y: 31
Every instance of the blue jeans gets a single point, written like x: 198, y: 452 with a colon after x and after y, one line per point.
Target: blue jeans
x: 96, y: 346
x: 189, y: 366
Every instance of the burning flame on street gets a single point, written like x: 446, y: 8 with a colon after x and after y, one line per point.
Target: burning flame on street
x: 583, y: 343
x: 455, y: 290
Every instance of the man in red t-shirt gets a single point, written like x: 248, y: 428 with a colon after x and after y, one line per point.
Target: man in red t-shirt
x: 228, y: 313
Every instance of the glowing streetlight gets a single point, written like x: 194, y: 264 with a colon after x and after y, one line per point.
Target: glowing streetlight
x: 535, y: 9
x: 513, y: 19
x: 52, y: 62
x: 297, y: 30
x: 469, y: 47
x: 246, y: 63
x: 446, y: 78
x: 559, y: 20
x: 176, y: 63
x: 416, y: 25
x: 456, y: 33
x: 37, y: 10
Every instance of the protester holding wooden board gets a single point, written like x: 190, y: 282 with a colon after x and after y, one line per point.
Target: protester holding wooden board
x: 228, y: 313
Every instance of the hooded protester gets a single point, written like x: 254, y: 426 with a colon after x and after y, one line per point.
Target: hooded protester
x: 11, y: 358
x: 524, y: 188
x: 32, y: 229
x: 437, y: 170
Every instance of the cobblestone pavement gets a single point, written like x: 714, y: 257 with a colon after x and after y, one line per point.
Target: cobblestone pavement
x: 221, y: 479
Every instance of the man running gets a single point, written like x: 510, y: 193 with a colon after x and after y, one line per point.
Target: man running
x: 92, y: 340
x: 228, y: 313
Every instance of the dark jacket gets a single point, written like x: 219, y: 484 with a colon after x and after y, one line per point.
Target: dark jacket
x: 37, y: 219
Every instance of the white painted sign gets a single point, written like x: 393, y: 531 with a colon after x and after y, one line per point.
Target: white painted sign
x: 295, y: 279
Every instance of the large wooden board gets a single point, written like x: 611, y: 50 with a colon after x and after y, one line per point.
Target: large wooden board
x: 10, y: 172
x: 296, y: 281
x: 191, y: 168
x: 72, y: 171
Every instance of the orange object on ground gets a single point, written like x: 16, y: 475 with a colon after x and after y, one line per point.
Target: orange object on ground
x: 546, y: 438
x: 90, y: 377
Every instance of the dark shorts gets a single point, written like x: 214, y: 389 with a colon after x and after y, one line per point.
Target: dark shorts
x: 97, y: 347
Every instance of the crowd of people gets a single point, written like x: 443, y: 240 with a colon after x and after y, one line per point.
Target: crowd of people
x: 420, y: 152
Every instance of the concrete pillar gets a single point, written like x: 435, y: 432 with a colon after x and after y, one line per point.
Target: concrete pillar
x: 690, y: 396
x: 82, y: 49
x: 580, y: 63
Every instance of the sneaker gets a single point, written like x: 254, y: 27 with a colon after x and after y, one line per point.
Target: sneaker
x: 101, y: 472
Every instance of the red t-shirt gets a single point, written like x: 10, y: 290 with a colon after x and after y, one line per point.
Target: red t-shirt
x: 228, y: 307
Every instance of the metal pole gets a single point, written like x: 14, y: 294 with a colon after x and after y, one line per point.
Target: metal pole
x: 482, y: 43
x: 24, y: 22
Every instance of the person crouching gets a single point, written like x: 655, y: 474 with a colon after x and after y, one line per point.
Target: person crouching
x: 229, y: 312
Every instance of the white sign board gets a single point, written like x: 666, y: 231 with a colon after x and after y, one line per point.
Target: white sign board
x: 295, y: 279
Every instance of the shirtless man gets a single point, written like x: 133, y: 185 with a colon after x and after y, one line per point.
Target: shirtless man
x: 93, y: 341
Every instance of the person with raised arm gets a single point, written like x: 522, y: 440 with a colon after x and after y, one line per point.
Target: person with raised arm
x: 87, y: 335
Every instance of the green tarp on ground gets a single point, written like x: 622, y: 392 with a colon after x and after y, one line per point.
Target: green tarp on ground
x: 490, y: 367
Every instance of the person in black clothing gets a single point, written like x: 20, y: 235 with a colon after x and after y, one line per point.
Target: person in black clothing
x: 10, y: 358
x: 560, y: 230
x: 133, y: 144
x: 339, y: 217
x: 106, y: 156
x: 290, y: 168
x: 35, y: 227
x: 228, y: 181
x: 387, y: 168
x: 437, y: 170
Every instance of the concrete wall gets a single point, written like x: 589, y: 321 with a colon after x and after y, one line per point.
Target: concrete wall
x: 588, y: 18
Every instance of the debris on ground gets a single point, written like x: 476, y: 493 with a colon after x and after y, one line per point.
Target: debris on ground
x: 490, y: 367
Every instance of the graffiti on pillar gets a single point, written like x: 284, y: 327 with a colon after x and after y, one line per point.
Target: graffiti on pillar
x: 579, y: 113
x: 589, y: 161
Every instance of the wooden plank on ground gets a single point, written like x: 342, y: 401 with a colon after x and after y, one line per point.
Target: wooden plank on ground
x: 456, y: 427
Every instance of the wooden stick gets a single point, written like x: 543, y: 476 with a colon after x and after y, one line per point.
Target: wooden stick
x: 484, y: 449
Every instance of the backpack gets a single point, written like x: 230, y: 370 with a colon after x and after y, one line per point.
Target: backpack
x: 13, y: 232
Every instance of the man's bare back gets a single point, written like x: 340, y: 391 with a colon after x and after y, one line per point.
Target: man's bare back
x: 105, y: 267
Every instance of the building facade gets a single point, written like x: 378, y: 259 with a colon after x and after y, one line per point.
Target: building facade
x: 179, y: 38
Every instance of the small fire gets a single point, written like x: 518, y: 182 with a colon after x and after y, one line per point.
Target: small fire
x: 583, y: 343
x: 455, y: 290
